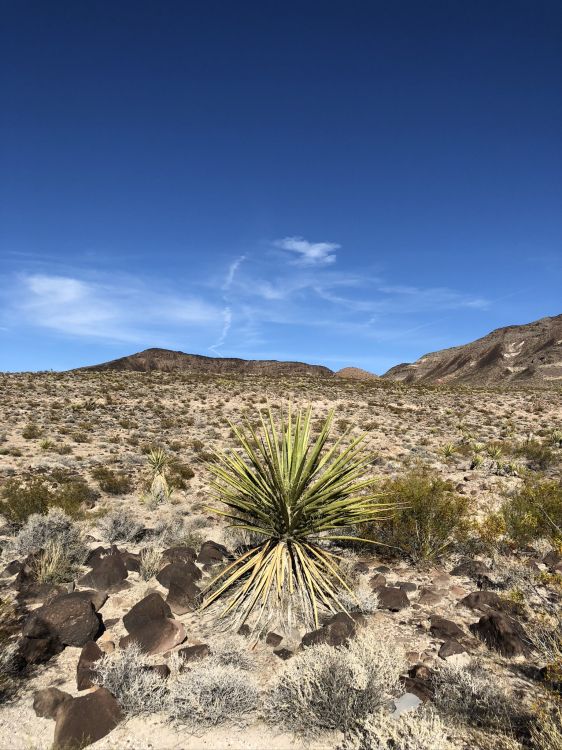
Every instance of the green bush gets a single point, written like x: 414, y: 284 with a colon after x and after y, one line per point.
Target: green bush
x: 31, y: 432
x: 534, y: 512
x: 539, y: 455
x: 23, y: 497
x: 430, y: 516
x: 112, y: 482
x: 179, y: 475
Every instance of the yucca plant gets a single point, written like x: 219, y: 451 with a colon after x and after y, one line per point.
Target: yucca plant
x: 158, y: 461
x: 297, y: 494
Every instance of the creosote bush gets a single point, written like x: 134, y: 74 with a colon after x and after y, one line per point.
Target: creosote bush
x: 22, y: 498
x: 326, y: 688
x: 112, y: 482
x: 429, y: 517
x: 534, y: 512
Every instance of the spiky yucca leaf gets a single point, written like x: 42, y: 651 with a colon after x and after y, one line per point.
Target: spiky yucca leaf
x: 296, y: 493
x: 158, y: 461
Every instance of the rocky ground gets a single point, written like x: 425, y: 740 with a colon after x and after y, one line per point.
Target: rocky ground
x: 147, y: 558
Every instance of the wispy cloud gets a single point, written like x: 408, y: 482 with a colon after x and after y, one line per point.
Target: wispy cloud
x: 118, y: 310
x: 309, y: 253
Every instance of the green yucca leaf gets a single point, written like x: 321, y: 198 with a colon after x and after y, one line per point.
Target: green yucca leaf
x: 296, y: 493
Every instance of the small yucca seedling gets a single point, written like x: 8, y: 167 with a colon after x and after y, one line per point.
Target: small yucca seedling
x: 476, y: 461
x: 556, y: 438
x: 448, y: 450
x: 296, y: 494
x: 494, y: 452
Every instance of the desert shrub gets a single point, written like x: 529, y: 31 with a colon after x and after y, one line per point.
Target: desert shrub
x: 111, y: 482
x: 119, y: 527
x: 24, y: 497
x: 55, y: 525
x: 546, y: 730
x: 326, y: 688
x: 473, y: 696
x: 127, y: 675
x: 211, y: 694
x: 179, y: 475
x: 539, y: 455
x: 429, y: 517
x: 150, y: 562
x: 534, y: 512
x: 412, y: 730
x: 31, y: 432
x: 363, y: 599
x: 175, y: 529
x: 232, y: 651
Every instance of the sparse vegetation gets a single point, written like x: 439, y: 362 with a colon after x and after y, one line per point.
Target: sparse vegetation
x: 534, y: 512
x: 430, y: 517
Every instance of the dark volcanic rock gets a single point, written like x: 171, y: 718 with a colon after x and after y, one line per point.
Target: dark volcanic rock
x: 39, y: 650
x: 47, y: 702
x: 450, y: 648
x: 107, y: 572
x: 72, y: 621
x: 273, y: 639
x: 85, y: 671
x: 335, y: 632
x: 152, y: 607
x: 86, y: 719
x: 392, y: 598
x: 471, y: 569
x: 444, y: 629
x: 502, y: 634
x: 183, y: 594
x: 156, y: 636
x: 211, y: 553
x: 283, y: 653
x: 182, y: 571
x: 483, y: 601
x: 179, y: 554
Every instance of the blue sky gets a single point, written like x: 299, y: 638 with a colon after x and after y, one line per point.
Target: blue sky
x: 344, y: 183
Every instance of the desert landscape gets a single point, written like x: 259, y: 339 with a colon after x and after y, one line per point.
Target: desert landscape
x: 450, y: 632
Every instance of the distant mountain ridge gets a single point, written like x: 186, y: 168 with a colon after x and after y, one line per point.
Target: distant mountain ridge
x: 520, y: 354
x: 165, y: 360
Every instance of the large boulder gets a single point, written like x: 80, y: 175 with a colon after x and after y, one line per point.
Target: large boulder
x: 471, y: 569
x: 185, y: 571
x: 107, y: 572
x: 211, y: 553
x: 86, y: 719
x: 39, y: 650
x: 179, y: 554
x: 444, y: 629
x: 152, y: 607
x: 156, y: 636
x: 183, y: 594
x: 502, y: 634
x: 97, y: 598
x: 47, y: 702
x: 73, y: 621
x: 483, y: 601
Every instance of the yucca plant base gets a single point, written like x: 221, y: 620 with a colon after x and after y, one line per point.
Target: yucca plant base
x: 299, y: 496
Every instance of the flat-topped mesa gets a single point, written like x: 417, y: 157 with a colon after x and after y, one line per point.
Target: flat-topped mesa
x: 165, y: 360
x: 521, y: 354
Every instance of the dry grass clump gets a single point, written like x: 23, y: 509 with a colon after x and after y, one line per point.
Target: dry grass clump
x: 150, y: 562
x: 546, y: 730
x: 54, y: 564
x: 412, y: 730
x: 127, y: 675
x: 326, y: 688
x: 473, y: 696
x: 119, y: 527
x: 429, y: 517
x: 211, y: 694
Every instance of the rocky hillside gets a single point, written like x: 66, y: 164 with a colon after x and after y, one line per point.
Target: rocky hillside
x: 165, y: 360
x: 522, y: 354
x: 355, y: 373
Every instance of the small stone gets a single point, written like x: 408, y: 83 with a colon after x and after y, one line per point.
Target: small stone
x: 283, y: 653
x: 85, y: 671
x: 191, y: 653
x: 450, y: 648
x: 273, y: 639
x: 393, y: 599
